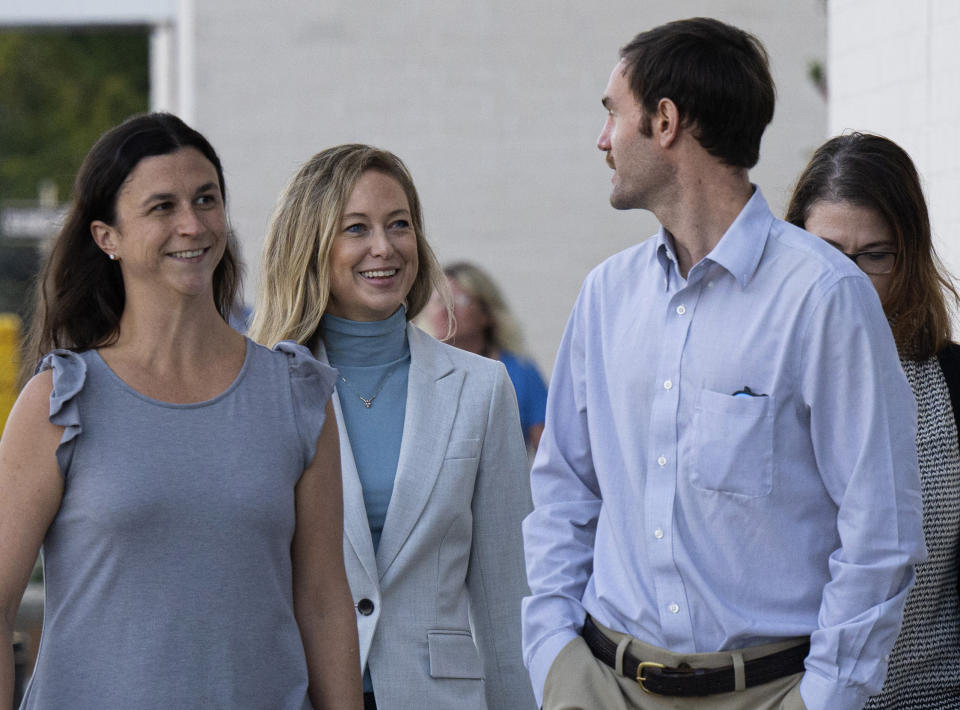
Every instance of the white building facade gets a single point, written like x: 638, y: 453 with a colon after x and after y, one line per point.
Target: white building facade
x: 894, y: 69
x: 494, y: 105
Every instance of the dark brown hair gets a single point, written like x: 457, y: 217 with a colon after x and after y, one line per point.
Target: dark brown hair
x: 875, y: 173
x: 80, y: 295
x: 717, y: 75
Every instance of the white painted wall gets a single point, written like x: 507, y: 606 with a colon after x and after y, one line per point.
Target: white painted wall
x: 85, y: 12
x: 894, y: 69
x: 494, y: 105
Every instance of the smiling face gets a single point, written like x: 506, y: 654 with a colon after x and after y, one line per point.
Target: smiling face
x: 854, y: 229
x: 373, y: 259
x: 170, y: 229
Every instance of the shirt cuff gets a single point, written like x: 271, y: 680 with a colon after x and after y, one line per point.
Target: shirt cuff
x: 544, y: 657
x: 821, y: 693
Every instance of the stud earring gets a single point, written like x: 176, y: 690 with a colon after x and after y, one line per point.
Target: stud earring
x: 113, y: 257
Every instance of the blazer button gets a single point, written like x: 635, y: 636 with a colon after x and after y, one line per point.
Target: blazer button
x: 365, y: 607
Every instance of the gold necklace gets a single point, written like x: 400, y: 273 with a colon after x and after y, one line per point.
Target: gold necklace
x: 368, y: 402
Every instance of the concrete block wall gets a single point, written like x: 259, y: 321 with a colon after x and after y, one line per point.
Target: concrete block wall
x: 495, y: 107
x: 894, y: 69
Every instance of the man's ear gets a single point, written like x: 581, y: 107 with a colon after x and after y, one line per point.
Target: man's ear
x: 105, y: 237
x: 666, y: 122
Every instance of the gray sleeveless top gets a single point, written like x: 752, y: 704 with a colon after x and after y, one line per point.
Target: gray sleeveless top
x: 167, y: 567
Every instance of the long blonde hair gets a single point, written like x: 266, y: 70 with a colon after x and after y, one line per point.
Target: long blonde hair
x: 503, y: 332
x: 295, y: 263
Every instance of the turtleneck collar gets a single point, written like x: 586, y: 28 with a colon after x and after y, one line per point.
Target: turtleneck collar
x: 365, y: 343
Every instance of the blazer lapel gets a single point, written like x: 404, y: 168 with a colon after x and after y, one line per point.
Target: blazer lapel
x: 433, y: 394
x: 356, y: 527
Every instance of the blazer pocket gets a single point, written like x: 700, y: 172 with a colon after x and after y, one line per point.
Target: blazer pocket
x: 453, y: 654
x: 463, y: 449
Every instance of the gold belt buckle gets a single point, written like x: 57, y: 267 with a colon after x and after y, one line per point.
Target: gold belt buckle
x: 640, y: 677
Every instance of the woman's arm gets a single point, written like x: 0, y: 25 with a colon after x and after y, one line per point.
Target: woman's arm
x: 321, y: 594
x: 30, y: 491
x: 534, y: 432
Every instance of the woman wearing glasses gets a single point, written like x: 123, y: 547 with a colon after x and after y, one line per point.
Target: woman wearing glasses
x: 483, y: 324
x: 862, y: 194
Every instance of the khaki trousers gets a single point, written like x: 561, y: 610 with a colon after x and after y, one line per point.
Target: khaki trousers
x: 578, y: 681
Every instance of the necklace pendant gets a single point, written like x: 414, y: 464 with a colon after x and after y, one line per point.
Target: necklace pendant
x: 367, y: 403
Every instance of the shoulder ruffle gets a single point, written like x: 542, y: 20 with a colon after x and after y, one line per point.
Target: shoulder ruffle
x: 69, y: 374
x: 311, y: 384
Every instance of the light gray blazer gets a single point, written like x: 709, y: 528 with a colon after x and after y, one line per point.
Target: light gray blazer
x: 442, y: 593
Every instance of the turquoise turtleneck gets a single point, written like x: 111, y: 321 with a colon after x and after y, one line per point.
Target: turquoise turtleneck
x: 374, y: 359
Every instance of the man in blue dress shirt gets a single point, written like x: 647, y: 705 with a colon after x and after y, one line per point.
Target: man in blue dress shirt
x: 727, y: 507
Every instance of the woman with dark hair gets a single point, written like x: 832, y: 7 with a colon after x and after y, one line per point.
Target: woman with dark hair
x: 434, y: 468
x: 183, y: 482
x: 862, y: 194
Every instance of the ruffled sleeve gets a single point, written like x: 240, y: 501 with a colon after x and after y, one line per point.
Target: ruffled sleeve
x: 69, y: 374
x: 311, y: 384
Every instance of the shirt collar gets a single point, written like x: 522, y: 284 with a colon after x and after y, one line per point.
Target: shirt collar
x: 739, y: 249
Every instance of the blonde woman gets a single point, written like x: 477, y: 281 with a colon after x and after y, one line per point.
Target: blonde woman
x: 434, y: 466
x: 483, y: 324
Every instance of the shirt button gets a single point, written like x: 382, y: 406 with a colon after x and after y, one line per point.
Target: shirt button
x: 662, y: 460
x: 709, y: 284
x: 658, y: 533
x: 681, y: 310
x: 365, y: 607
x: 674, y: 608
x: 667, y: 385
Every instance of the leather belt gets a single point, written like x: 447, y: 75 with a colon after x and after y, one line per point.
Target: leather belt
x: 684, y: 681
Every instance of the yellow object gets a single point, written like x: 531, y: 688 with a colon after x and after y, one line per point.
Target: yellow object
x: 9, y: 363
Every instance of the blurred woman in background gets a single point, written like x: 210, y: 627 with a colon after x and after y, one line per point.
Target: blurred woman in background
x: 434, y: 469
x: 183, y: 481
x: 481, y: 323
x: 862, y: 194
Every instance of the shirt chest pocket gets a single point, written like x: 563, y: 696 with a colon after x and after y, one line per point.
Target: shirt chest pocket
x: 733, y: 444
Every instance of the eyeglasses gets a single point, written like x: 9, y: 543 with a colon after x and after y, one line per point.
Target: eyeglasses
x: 874, y: 263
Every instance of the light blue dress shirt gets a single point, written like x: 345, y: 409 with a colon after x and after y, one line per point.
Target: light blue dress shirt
x: 668, y: 508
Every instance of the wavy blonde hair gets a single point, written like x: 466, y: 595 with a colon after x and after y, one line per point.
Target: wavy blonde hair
x: 295, y: 262
x: 503, y: 333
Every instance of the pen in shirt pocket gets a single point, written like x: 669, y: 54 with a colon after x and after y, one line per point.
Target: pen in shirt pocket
x: 747, y: 392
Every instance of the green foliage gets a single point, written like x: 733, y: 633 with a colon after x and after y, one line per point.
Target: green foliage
x: 817, y: 74
x: 61, y: 90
